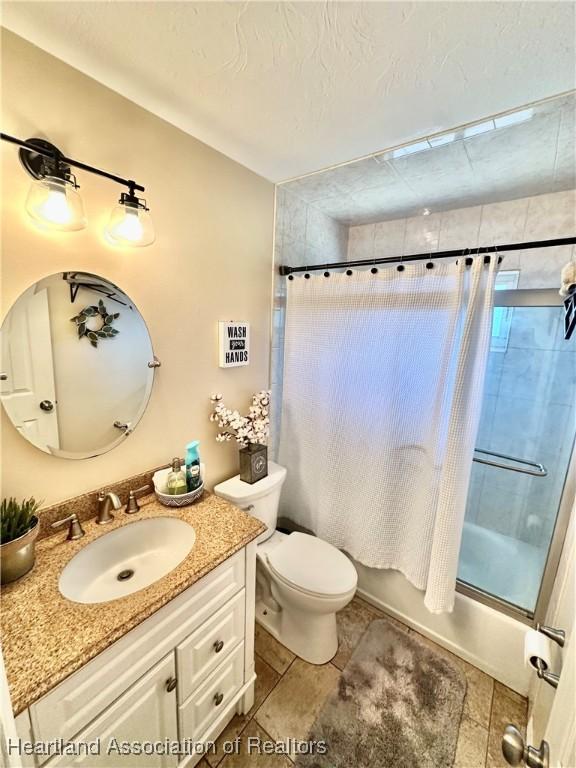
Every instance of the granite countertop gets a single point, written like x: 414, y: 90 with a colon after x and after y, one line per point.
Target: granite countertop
x: 45, y: 637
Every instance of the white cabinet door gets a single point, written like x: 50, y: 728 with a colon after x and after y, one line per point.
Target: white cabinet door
x: 24, y: 730
x: 145, y: 713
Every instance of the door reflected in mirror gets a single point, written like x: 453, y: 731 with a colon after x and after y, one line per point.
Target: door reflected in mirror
x: 76, y: 357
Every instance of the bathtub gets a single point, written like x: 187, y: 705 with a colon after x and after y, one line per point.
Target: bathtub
x: 478, y: 633
x: 501, y: 566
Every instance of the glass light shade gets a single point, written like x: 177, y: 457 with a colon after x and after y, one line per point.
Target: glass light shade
x: 54, y: 203
x: 130, y: 225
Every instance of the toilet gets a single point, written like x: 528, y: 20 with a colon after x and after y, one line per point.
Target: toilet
x: 301, y: 581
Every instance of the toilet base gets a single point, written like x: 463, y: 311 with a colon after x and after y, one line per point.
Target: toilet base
x: 268, y: 618
x: 312, y: 638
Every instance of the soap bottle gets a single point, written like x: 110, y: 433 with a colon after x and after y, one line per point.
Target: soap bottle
x: 193, y: 479
x: 176, y: 483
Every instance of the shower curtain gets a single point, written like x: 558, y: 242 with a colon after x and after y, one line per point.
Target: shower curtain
x: 382, y: 391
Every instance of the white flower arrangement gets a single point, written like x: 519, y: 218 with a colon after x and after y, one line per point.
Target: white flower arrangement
x: 248, y: 430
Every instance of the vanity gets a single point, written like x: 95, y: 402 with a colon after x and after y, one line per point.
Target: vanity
x: 138, y: 630
x: 171, y: 663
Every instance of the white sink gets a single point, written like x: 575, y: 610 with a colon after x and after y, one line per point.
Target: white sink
x: 127, y: 559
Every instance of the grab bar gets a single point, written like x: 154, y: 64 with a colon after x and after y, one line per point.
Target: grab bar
x: 539, y: 471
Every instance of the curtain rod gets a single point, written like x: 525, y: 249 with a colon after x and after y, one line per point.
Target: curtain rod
x: 286, y: 270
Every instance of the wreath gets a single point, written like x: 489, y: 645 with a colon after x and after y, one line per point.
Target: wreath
x: 106, y: 331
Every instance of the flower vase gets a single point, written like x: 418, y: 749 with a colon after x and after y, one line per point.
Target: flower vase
x: 253, y: 463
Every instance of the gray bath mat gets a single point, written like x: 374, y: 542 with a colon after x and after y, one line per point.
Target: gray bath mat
x: 399, y: 705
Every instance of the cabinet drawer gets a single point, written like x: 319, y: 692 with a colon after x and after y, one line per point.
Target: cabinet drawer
x: 210, y: 699
x: 84, y: 695
x: 209, y: 645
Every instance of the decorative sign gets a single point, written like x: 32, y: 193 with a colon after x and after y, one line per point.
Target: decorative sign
x: 234, y: 344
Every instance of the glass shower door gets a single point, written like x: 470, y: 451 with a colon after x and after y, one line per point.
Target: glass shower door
x: 528, y: 413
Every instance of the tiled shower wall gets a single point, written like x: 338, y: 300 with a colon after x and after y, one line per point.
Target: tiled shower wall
x: 529, y: 384
x: 531, y: 218
x: 303, y: 235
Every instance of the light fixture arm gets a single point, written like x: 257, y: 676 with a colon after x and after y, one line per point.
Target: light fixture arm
x: 54, y: 154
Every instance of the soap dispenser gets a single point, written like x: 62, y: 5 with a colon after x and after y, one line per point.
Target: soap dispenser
x: 176, y: 483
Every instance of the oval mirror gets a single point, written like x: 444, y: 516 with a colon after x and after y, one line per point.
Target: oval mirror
x: 75, y: 369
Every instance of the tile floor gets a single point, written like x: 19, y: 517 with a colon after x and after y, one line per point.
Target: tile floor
x: 290, y: 694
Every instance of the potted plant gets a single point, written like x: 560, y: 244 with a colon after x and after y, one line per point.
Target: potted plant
x: 251, y: 433
x: 18, y: 531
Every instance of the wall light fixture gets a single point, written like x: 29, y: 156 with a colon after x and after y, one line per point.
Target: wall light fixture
x: 130, y: 222
x: 53, y: 200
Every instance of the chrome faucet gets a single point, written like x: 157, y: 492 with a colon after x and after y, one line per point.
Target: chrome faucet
x: 106, y: 502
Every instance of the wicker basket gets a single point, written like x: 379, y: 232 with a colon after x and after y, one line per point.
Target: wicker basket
x: 184, y: 499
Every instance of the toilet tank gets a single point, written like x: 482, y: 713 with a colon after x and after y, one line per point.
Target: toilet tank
x: 260, y: 499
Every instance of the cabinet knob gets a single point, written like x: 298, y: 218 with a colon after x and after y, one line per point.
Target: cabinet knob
x: 218, y: 645
x: 171, y: 683
x: 218, y: 699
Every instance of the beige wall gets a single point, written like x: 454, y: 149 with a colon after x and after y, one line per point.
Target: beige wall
x: 212, y: 260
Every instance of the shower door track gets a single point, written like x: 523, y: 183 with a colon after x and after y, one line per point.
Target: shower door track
x: 536, y: 297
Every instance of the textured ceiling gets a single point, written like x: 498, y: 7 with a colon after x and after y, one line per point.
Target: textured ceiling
x: 288, y: 88
x: 520, y: 154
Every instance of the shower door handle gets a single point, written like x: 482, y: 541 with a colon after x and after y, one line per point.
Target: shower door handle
x: 534, y: 468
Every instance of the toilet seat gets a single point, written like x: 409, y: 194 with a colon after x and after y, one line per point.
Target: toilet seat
x: 312, y: 566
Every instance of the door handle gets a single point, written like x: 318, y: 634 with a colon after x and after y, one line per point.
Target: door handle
x: 516, y: 752
x: 47, y: 406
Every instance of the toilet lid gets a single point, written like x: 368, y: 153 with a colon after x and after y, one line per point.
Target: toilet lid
x: 313, y: 565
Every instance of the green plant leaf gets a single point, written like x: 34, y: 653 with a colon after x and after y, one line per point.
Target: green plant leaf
x: 93, y: 342
x: 16, y: 519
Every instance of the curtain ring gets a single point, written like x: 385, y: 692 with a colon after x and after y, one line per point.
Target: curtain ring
x: 429, y: 264
x: 400, y: 266
x: 374, y: 269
